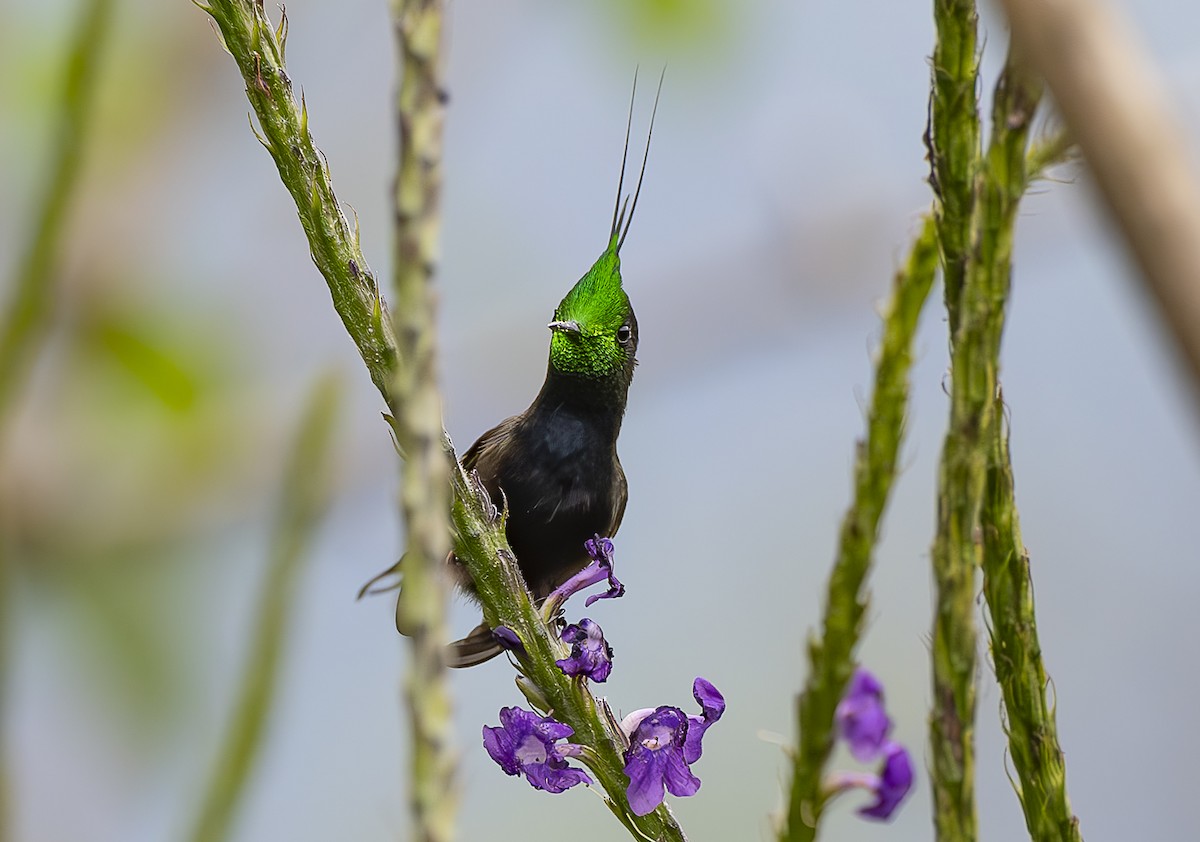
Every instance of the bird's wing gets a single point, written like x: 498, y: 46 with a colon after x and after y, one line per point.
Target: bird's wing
x: 484, y: 443
x: 622, y: 499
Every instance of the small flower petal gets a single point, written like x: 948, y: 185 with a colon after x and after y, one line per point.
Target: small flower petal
x: 862, y: 721
x: 632, y: 720
x: 712, y: 703
x: 894, y: 782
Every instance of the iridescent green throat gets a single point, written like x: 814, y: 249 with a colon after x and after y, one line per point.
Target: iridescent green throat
x: 598, y: 307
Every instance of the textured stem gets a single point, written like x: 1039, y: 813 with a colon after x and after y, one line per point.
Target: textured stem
x: 1007, y: 586
x: 831, y: 657
x: 975, y: 356
x: 952, y: 138
x: 953, y: 145
x: 1017, y: 660
x: 303, y: 501
x: 1117, y: 108
x: 425, y: 475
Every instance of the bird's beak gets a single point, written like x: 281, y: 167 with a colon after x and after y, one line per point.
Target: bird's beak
x: 566, y: 327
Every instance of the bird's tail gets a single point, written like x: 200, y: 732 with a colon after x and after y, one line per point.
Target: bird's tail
x: 474, y: 649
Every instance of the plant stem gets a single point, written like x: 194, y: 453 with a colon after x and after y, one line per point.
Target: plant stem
x: 1007, y: 585
x: 952, y: 138
x: 831, y: 657
x: 303, y: 501
x: 975, y: 352
x: 425, y: 474
x: 953, y: 144
x: 1017, y: 660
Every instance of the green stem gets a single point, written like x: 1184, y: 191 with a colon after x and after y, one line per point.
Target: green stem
x: 425, y: 474
x: 1007, y: 585
x: 956, y: 552
x: 303, y: 501
x: 1017, y: 660
x: 831, y: 657
x: 953, y: 143
x: 953, y: 138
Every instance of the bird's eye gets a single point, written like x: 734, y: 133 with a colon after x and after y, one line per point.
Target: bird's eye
x: 623, y: 334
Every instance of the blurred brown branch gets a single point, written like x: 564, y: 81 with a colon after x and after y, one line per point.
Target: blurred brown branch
x: 1116, y: 108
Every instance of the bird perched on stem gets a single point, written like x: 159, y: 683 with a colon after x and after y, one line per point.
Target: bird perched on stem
x: 555, y: 465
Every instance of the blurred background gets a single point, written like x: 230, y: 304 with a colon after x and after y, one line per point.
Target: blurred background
x: 144, y: 458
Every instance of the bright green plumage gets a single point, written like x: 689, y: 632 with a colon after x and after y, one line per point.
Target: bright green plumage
x: 588, y: 322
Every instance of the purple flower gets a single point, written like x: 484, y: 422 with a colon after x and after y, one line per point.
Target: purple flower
x: 663, y: 743
x: 590, y: 653
x: 655, y: 759
x: 525, y: 743
x: 601, y: 568
x: 864, y: 725
x: 890, y: 786
x: 861, y: 719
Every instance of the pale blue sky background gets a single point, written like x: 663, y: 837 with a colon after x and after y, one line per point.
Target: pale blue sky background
x: 785, y: 180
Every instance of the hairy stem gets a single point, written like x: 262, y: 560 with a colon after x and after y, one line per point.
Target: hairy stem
x: 1007, y: 585
x: 831, y: 657
x: 957, y: 548
x: 303, y: 501
x: 953, y: 146
x: 1017, y: 660
x: 952, y: 138
x: 425, y: 474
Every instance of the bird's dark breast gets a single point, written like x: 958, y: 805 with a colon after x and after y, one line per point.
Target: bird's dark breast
x: 563, y: 484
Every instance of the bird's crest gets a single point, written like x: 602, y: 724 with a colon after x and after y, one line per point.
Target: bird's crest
x: 588, y: 322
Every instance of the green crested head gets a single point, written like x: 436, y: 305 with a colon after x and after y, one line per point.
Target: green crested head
x: 595, y: 330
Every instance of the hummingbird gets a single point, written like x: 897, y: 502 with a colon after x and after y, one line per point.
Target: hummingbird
x: 555, y: 465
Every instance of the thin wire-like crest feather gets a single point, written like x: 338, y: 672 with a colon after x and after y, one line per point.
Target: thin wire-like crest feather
x: 645, y: 156
x: 618, y: 212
